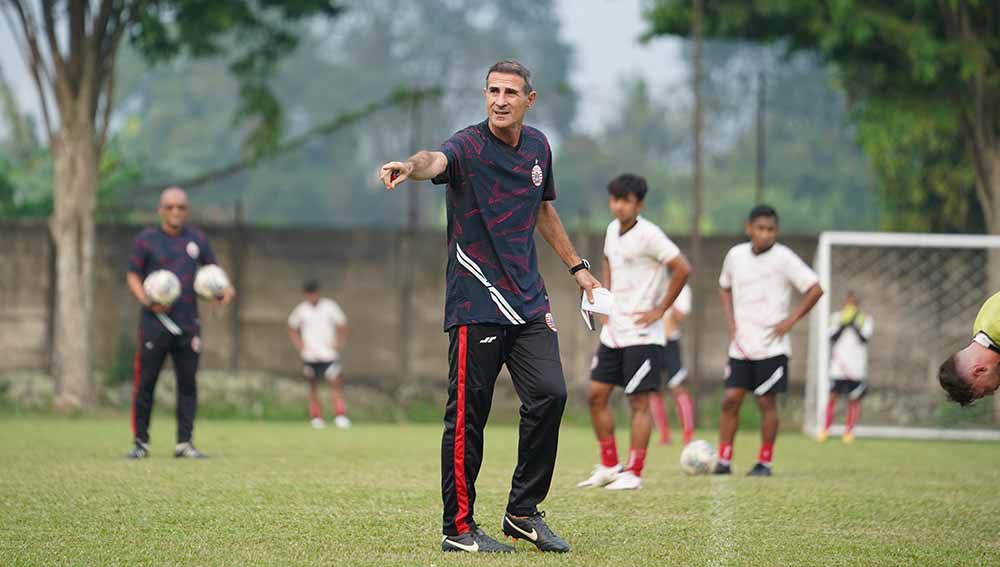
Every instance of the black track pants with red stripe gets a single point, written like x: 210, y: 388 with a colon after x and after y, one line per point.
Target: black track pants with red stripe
x: 476, y: 354
x: 154, y: 346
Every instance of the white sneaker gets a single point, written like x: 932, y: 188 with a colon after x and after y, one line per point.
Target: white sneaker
x: 602, y: 475
x: 342, y: 421
x: 625, y: 481
x: 317, y: 423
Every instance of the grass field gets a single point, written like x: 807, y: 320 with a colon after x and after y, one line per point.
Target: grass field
x: 281, y: 493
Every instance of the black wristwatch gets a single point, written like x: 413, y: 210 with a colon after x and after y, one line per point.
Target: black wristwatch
x: 583, y: 265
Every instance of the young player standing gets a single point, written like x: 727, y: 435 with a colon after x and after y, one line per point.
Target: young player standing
x: 637, y: 256
x: 756, y: 282
x: 675, y: 373
x: 173, y: 330
x: 500, y: 187
x: 850, y: 331
x: 317, y: 328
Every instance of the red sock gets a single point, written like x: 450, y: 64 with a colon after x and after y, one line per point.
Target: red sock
x: 685, y: 412
x: 314, y: 409
x: 831, y: 406
x: 609, y: 452
x: 341, y: 407
x: 725, y: 453
x: 660, y: 417
x: 853, y: 413
x: 636, y: 460
x: 765, y: 454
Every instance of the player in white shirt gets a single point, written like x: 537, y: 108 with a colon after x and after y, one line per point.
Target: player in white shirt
x: 756, y: 283
x: 674, y: 373
x: 850, y: 331
x: 318, y: 328
x: 637, y: 257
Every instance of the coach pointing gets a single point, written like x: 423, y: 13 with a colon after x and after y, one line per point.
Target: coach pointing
x: 500, y: 186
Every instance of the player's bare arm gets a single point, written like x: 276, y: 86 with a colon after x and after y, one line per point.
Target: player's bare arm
x: 421, y: 166
x: 338, y: 344
x: 296, y: 338
x: 605, y: 283
x: 680, y: 269
x: 726, y: 295
x: 812, y: 295
x: 134, y: 283
x: 553, y: 231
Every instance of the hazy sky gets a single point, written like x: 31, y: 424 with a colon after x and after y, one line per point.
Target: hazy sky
x: 604, y: 32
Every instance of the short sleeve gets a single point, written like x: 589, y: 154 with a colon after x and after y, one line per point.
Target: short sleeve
x: 834, y: 325
x: 207, y: 255
x: 337, y: 314
x: 797, y: 272
x: 295, y: 318
x: 660, y: 247
x: 607, y: 238
x: 868, y: 327
x: 726, y: 276
x: 137, y: 258
x: 549, y: 190
x: 452, y: 149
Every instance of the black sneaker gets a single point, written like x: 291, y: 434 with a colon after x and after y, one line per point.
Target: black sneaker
x: 187, y: 451
x: 760, y: 469
x: 475, y: 541
x: 535, y: 530
x: 722, y: 468
x: 139, y: 451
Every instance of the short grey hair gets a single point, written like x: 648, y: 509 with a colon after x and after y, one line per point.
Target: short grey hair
x: 512, y: 67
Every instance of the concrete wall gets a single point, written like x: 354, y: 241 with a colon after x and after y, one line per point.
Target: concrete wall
x: 390, y: 284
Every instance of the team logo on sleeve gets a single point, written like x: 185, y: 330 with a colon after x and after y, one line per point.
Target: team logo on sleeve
x: 536, y: 174
x: 193, y: 250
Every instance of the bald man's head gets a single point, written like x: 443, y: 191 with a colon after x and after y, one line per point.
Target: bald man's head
x: 173, y: 209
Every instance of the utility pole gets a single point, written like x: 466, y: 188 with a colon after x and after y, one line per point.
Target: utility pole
x: 761, y: 137
x: 696, y: 187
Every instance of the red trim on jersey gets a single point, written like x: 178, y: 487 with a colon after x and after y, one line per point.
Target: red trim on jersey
x: 461, y: 488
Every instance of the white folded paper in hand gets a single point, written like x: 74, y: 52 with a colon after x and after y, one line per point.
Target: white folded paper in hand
x: 603, y: 300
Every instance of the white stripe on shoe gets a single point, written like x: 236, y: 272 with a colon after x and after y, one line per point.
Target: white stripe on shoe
x: 495, y: 294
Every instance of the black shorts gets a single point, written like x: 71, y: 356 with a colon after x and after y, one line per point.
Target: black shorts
x: 316, y: 370
x: 853, y: 389
x: 761, y: 377
x: 635, y: 368
x: 673, y: 369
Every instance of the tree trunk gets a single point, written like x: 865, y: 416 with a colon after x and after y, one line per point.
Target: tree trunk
x: 75, y: 155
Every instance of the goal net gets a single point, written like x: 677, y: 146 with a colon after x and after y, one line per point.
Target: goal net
x: 924, y: 292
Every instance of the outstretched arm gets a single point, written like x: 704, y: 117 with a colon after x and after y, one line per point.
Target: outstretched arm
x: 553, y: 231
x: 420, y: 166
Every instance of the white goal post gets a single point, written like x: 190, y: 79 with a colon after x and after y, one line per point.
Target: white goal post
x: 924, y: 291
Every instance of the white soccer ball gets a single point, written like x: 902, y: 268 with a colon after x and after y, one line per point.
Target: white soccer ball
x: 699, y: 457
x: 210, y: 282
x: 162, y: 286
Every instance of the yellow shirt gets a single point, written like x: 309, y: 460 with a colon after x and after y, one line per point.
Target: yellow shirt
x: 988, y: 320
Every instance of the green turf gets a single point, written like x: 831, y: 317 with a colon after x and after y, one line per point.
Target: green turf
x: 281, y: 493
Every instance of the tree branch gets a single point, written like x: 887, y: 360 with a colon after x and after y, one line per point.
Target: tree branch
x: 28, y: 46
x: 978, y: 150
x: 109, y: 93
x: 60, y: 82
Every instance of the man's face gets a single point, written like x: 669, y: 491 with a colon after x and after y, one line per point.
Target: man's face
x: 173, y: 208
x: 506, y: 101
x: 762, y: 232
x: 984, y: 381
x: 626, y: 208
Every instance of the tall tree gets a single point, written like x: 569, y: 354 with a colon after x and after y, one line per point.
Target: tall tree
x: 912, y: 58
x: 70, y: 48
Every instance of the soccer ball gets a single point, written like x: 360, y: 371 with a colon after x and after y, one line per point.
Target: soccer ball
x: 210, y: 282
x: 698, y: 457
x: 162, y: 286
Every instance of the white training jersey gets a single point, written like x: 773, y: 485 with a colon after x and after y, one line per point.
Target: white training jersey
x: 638, y: 281
x: 317, y: 325
x: 848, y: 354
x: 683, y: 306
x: 761, y: 285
